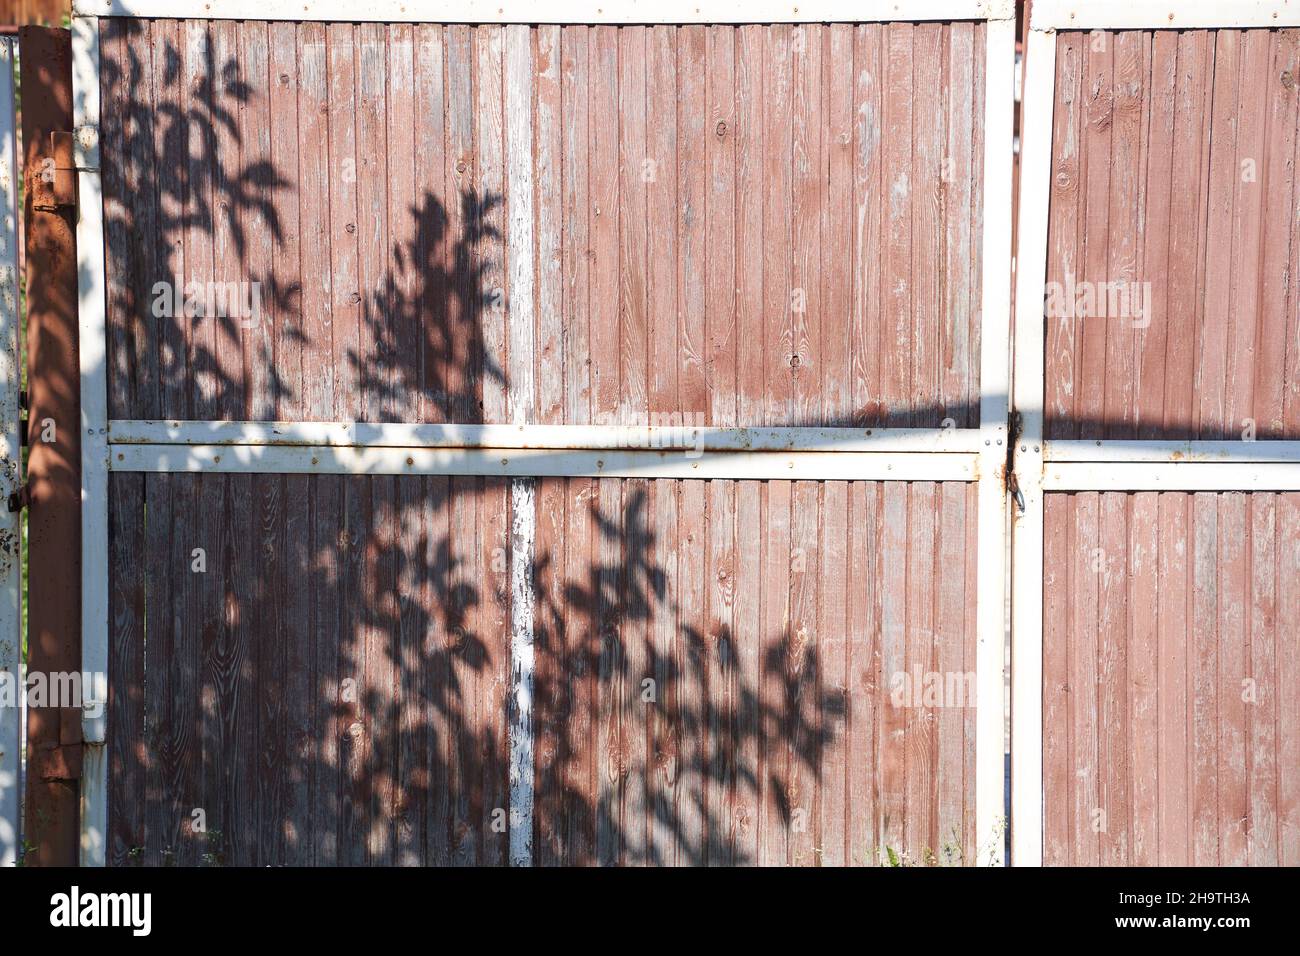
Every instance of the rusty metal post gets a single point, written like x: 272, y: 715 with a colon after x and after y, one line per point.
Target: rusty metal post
x: 54, y: 459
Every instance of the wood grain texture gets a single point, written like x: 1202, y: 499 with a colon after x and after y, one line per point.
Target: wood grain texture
x: 337, y: 693
x: 1170, y: 631
x: 1171, y: 252
x: 722, y: 230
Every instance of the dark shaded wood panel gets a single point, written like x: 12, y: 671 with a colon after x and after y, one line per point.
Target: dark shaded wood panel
x: 1171, y: 643
x: 308, y: 670
x: 731, y: 225
x: 713, y: 687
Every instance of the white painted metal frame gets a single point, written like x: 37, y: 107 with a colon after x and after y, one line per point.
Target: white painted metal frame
x: 557, y: 11
x: 1064, y: 466
x: 11, y: 477
x: 525, y: 451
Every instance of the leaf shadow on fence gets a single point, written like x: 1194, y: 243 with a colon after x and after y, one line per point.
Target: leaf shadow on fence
x: 333, y: 684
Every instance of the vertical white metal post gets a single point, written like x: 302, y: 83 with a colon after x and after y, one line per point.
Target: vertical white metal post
x: 94, y: 439
x: 995, y: 312
x: 1027, y: 528
x: 11, y: 682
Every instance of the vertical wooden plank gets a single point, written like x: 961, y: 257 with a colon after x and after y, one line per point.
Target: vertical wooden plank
x: 494, y: 680
x: 343, y: 225
x: 1123, y: 241
x: 1173, y: 605
x: 774, y: 646
x: 836, y: 293
x: 1232, y: 620
x: 722, y: 341
x: 300, y: 572
x: 1250, y: 167
x: 803, y: 332
x: 316, y: 173
x: 919, y: 831
x: 832, y: 846
x: 1058, y: 584
x: 394, y: 309
x: 897, y: 179
x: 328, y: 542
x: 1088, y: 564
x: 725, y: 688
x: 779, y: 357
x: 583, y: 640
x: 662, y: 150
x: 692, y: 218
x: 284, y: 289
x: 488, y: 223
x: 227, y: 163
x: 200, y: 79
x: 869, y: 78
x: 957, y: 396
x: 654, y: 731
x: 257, y: 223
x: 1202, y: 651
x: 160, y: 582
x: 952, y: 588
x: 604, y: 223
x: 1153, y: 343
x: 1288, y: 675
x: 928, y: 276
x: 749, y: 650
x: 551, y: 707
x: 1143, y: 784
x: 421, y: 211
x: 440, y: 597
x: 1098, y: 116
x: 609, y: 735
x: 634, y: 174
x: 1259, y: 689
x: 891, y: 807
x: 1211, y: 371
x: 380, y: 393
x: 802, y: 759
x: 1187, y: 230
x: 1112, y: 566
x: 356, y: 693
x: 751, y: 344
x: 1061, y: 389
x: 575, y: 45
x: 1278, y: 180
x: 271, y: 637
x: 553, y: 357
x: 866, y: 684
x: 691, y: 655
x: 456, y: 387
x: 126, y: 679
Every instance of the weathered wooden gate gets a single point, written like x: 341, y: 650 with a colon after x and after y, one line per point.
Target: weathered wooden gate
x: 562, y: 443
x: 1156, y: 600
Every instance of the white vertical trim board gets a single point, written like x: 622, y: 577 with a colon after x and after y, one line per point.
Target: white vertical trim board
x: 995, y: 311
x: 11, y: 699
x: 94, y: 438
x: 519, y: 305
x: 1027, y: 526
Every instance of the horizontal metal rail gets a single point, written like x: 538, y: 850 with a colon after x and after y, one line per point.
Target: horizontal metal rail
x: 544, y: 462
x: 1165, y: 14
x: 1172, y: 476
x: 1173, y: 452
x: 651, y: 437
x: 557, y: 11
